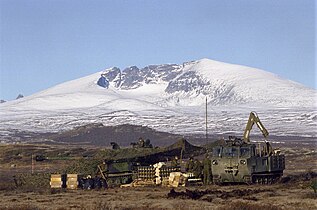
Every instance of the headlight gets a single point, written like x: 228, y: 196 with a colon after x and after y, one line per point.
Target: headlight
x: 243, y: 162
x: 214, y: 162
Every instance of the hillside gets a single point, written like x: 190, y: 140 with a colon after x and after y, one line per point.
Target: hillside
x: 169, y: 97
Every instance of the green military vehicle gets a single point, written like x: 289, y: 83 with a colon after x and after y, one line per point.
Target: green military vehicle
x: 239, y: 161
x: 117, y: 172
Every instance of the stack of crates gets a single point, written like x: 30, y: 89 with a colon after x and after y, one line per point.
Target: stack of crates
x: 176, y: 179
x: 150, y: 173
x: 56, y: 181
x: 72, y: 181
x: 146, y: 173
x: 165, y: 171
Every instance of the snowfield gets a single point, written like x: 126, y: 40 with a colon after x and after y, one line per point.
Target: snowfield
x: 170, y: 98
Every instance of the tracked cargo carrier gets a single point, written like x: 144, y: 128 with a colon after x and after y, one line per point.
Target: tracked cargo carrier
x: 117, y: 172
x: 239, y: 161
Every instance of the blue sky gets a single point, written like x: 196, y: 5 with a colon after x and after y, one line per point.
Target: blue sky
x: 47, y: 42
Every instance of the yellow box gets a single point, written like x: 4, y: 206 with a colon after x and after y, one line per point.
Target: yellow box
x: 56, y: 181
x: 72, y: 181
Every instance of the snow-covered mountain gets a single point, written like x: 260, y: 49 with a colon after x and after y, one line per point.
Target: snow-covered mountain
x: 169, y: 97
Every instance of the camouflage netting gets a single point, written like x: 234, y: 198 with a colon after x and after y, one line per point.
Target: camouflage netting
x: 28, y: 181
x: 83, y: 167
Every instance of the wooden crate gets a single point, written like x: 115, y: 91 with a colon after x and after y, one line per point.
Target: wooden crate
x: 72, y: 181
x: 56, y: 181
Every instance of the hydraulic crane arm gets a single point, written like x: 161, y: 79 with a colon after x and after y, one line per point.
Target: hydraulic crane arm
x: 254, y: 119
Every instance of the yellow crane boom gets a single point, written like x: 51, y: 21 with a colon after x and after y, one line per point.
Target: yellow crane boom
x: 254, y: 119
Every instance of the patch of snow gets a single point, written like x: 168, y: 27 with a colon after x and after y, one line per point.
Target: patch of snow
x: 170, y: 98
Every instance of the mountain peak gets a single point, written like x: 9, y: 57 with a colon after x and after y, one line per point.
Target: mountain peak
x: 189, y: 83
x: 170, y: 97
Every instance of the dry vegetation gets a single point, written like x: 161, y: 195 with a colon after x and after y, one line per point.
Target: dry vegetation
x: 33, y: 192
x: 262, y: 197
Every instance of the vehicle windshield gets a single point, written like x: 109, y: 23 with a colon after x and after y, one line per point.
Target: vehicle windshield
x: 216, y: 152
x: 244, y: 152
x: 230, y: 152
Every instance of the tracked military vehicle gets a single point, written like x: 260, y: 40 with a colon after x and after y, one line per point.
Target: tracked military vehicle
x: 239, y: 161
x: 123, y: 171
x: 117, y: 172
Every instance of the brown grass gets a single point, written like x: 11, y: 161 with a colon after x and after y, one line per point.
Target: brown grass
x: 35, y: 193
x: 21, y: 207
x: 239, y: 205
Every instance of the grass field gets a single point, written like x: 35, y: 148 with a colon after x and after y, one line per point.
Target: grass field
x: 294, y: 192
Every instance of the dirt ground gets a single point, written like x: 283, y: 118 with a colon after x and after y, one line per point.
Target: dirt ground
x: 219, y: 197
x: 293, y: 192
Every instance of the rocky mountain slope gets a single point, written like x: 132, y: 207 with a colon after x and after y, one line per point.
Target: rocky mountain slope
x: 169, y: 97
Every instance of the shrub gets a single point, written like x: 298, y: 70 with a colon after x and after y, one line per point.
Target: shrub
x: 32, y: 182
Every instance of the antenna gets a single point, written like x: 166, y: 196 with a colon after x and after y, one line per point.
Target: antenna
x: 32, y: 166
x: 206, y: 124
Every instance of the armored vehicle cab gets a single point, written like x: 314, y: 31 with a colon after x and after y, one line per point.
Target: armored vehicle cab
x: 238, y: 162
